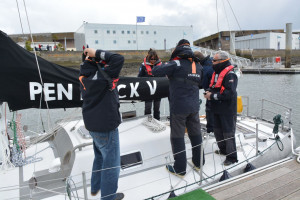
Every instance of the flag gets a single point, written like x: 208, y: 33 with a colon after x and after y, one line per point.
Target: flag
x: 140, y: 19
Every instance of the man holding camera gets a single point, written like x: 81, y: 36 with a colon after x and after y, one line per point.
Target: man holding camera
x: 223, y: 96
x: 99, y: 74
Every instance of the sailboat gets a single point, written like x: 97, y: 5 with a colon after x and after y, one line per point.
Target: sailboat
x: 58, y: 163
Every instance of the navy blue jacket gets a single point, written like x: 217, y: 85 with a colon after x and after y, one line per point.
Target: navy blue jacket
x: 100, y: 108
x: 207, y: 72
x: 183, y: 96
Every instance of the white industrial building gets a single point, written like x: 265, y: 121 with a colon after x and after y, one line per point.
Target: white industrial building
x: 130, y: 37
x: 268, y: 40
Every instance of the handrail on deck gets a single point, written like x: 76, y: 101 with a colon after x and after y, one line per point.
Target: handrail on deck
x: 278, y: 104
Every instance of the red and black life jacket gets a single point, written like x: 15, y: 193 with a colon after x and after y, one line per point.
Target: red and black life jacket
x: 221, y: 76
x: 148, y: 67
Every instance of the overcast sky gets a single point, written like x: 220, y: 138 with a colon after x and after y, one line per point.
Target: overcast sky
x: 68, y: 15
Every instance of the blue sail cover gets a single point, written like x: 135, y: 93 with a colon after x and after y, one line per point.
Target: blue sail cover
x: 21, y: 88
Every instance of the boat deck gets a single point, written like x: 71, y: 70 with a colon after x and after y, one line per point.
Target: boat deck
x: 281, y: 181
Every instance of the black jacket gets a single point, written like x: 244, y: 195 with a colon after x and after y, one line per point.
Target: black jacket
x: 183, y: 95
x: 225, y: 103
x: 100, y: 108
x: 207, y: 72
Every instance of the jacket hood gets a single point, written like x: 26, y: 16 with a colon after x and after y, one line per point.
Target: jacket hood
x: 182, y: 51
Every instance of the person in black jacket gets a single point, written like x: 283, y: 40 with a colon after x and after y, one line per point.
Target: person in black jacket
x: 206, y: 63
x: 100, y: 111
x: 223, y: 96
x: 185, y: 77
x: 145, y: 70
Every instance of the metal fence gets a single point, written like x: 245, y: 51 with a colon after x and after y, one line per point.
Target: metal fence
x: 266, y: 63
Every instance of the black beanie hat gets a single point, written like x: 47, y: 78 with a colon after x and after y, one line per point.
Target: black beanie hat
x: 183, y: 41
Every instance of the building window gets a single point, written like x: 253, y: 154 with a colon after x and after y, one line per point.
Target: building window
x: 115, y: 41
x: 128, y: 41
x: 123, y: 32
x: 147, y: 32
x: 154, y: 32
x: 95, y: 31
x: 96, y: 41
x: 134, y: 41
x: 154, y: 41
x: 108, y: 31
x: 128, y: 32
x: 114, y: 32
x: 133, y: 32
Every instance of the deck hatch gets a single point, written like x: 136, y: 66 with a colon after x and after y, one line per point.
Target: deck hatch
x: 131, y: 160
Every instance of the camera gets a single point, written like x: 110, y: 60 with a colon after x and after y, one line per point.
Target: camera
x: 83, y: 58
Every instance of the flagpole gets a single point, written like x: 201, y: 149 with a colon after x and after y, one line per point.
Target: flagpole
x: 138, y: 19
x: 137, y: 47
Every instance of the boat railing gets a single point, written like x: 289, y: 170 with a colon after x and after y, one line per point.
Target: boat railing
x: 266, y: 63
x: 240, y: 61
x: 246, y: 105
x: 269, y: 62
x: 287, y: 114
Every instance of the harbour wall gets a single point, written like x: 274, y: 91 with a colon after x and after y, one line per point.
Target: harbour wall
x: 133, y: 59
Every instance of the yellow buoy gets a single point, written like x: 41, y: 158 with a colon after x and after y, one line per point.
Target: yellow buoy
x: 239, y: 105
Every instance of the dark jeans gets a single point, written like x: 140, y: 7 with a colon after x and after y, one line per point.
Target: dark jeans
x: 209, y: 117
x: 178, y: 124
x: 224, y: 128
x: 106, y: 163
x: 156, y: 108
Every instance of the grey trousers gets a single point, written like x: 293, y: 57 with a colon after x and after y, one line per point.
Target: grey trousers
x: 178, y: 124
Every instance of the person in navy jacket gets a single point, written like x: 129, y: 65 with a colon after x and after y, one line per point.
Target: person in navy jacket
x: 185, y: 76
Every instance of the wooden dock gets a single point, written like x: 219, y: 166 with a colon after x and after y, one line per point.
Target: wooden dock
x: 281, y: 181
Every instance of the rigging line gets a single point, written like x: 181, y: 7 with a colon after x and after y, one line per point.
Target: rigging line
x: 203, y: 179
x: 175, y: 189
x: 6, y: 134
x: 226, y: 17
x: 20, y: 17
x: 38, y: 125
x: 40, y: 113
x: 154, y: 157
x: 63, y: 123
x: 243, y: 34
x: 37, y: 62
x: 217, y: 16
x: 235, y: 17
